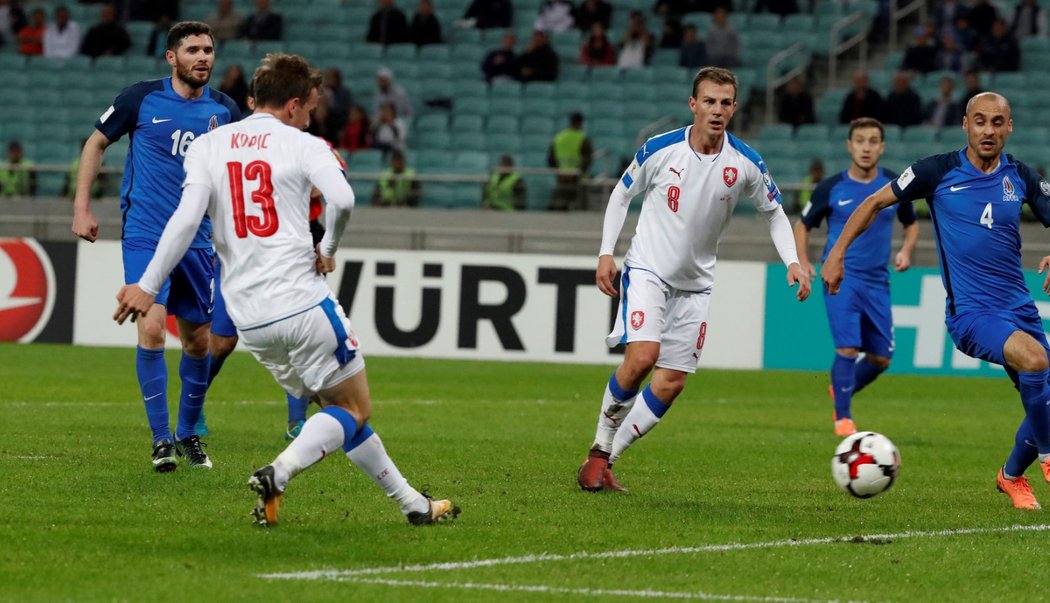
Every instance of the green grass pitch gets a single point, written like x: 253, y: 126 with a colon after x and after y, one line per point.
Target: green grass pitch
x: 731, y: 496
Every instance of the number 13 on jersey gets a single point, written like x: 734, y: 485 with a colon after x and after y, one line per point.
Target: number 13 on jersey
x: 260, y: 226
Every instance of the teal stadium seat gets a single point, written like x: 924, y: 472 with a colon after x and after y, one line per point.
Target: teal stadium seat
x: 776, y: 132
x: 468, y: 123
x: 502, y: 124
x: 507, y: 142
x: 813, y: 132
x: 506, y: 106
x: 471, y: 105
x: 919, y: 134
x: 469, y: 141
x: 540, y: 107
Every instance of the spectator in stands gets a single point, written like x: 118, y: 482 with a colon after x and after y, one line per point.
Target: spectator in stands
x: 723, y: 41
x: 357, y: 134
x: 861, y: 101
x: 62, y: 38
x: 539, y: 62
x: 637, y: 46
x: 1000, y: 50
x: 554, y: 16
x: 671, y: 32
x: 69, y: 185
x: 158, y: 37
x: 398, y: 187
x: 903, y: 105
x: 425, y: 28
x: 950, y: 56
x: 813, y: 176
x: 972, y: 87
x: 571, y: 149
x: 943, y: 111
x: 12, y: 20
x: 388, y: 25
x: 16, y: 177
x: 388, y: 133
x: 107, y: 37
x: 501, y: 64
x: 596, y: 50
x: 388, y: 91
x: 31, y: 36
x: 263, y: 24
x: 946, y: 13
x: 590, y: 12
x: 1028, y: 20
x: 680, y: 7
x: 693, y: 53
x: 777, y: 7
x: 921, y: 54
x: 225, y: 22
x: 981, y: 16
x: 235, y: 85
x: 964, y: 35
x: 490, y: 14
x: 505, y: 189
x: 339, y: 102
x: 796, y: 104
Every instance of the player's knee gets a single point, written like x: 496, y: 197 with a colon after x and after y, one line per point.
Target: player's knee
x: 639, y: 363
x: 667, y: 390
x: 196, y: 345
x: 880, y: 362
x: 151, y: 334
x: 1033, y: 361
x: 220, y: 346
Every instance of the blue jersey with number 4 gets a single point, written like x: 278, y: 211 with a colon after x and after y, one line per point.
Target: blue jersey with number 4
x: 161, y: 124
x: 976, y: 222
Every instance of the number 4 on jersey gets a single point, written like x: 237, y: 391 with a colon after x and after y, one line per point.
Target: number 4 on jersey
x: 263, y: 226
x: 986, y: 216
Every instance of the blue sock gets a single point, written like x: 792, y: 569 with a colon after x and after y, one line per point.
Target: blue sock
x: 362, y: 434
x: 864, y: 373
x: 297, y: 408
x: 843, y: 381
x: 214, y: 366
x: 153, y: 383
x: 194, y: 375
x: 1035, y: 394
x: 1024, y: 453
x: 657, y: 406
x: 349, y: 423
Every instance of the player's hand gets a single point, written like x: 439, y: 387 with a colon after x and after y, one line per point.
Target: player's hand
x: 131, y: 301
x: 796, y: 274
x: 832, y: 272
x: 903, y: 262
x: 85, y: 226
x: 605, y: 275
x: 324, y: 264
x: 1043, y: 265
x: 808, y: 269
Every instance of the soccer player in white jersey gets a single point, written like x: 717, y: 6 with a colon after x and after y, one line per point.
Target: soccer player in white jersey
x: 692, y: 179
x: 254, y: 180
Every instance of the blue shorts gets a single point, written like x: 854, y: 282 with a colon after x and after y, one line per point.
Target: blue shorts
x: 982, y: 334
x: 221, y: 324
x: 860, y: 316
x: 187, y: 292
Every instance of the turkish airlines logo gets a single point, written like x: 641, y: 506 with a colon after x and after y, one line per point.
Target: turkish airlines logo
x: 27, y: 289
x: 729, y: 176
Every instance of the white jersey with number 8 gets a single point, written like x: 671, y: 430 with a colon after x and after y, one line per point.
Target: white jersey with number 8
x: 260, y: 171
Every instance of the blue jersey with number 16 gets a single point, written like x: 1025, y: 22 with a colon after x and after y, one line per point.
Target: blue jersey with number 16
x: 161, y: 124
x: 976, y: 222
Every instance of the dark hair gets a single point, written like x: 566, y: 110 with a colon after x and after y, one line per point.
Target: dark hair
x: 282, y: 77
x: 717, y: 75
x: 866, y: 122
x: 184, y: 29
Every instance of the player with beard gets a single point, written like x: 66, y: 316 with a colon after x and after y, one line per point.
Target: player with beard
x: 163, y: 117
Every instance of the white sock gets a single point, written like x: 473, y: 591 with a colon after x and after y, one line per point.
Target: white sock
x: 370, y: 457
x: 611, y: 417
x: 1043, y: 457
x: 636, y: 424
x: 321, y: 434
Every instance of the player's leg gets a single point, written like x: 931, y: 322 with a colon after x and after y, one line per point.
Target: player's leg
x: 150, y: 368
x: 844, y: 322
x: 297, y: 406
x: 222, y: 340
x: 876, y: 338
x: 191, y: 302
x: 658, y: 396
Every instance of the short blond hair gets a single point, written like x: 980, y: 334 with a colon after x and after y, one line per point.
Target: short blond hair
x: 717, y: 75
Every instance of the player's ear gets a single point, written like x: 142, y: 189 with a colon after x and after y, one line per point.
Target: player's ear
x: 169, y: 56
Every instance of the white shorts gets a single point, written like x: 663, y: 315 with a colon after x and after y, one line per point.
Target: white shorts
x: 308, y: 352
x: 652, y: 310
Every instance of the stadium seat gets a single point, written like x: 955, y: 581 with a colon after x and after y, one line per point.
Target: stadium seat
x: 813, y: 131
x: 921, y: 134
x: 506, y: 106
x: 776, y: 132
x: 399, y: 52
x: 470, y: 162
x: 471, y: 105
x: 502, y: 124
x: 539, y: 107
x: 474, y: 88
x: 468, y: 123
x: 505, y: 90
x: 496, y: 144
x: 536, y: 90
x: 538, y: 125
x: 435, y: 53
x: 468, y: 141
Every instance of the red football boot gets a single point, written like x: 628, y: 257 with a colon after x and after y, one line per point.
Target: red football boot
x: 591, y: 475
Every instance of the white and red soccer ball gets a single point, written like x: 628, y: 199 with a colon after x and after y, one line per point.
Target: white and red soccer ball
x: 865, y: 464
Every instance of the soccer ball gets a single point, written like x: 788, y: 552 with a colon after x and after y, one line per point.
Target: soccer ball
x: 865, y: 464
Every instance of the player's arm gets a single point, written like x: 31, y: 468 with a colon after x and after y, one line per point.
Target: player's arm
x: 84, y: 224
x: 802, y: 249
x: 911, y: 238
x: 812, y: 215
x: 136, y: 298
x: 765, y: 194
x: 339, y: 202
x: 634, y: 180
x: 833, y: 270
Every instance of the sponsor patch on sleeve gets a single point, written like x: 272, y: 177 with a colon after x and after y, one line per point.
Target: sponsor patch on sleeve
x: 106, y: 115
x: 905, y: 179
x: 809, y: 206
x: 1044, y: 187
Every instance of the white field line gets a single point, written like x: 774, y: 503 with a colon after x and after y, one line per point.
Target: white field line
x: 591, y: 592
x: 332, y: 574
